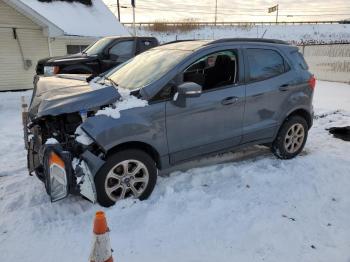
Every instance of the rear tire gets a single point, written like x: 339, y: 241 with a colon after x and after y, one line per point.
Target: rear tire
x: 127, y: 173
x: 291, y: 138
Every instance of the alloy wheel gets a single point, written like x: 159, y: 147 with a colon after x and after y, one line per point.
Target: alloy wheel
x: 294, y: 138
x: 128, y: 178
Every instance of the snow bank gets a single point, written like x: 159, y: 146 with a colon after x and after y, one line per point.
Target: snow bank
x: 292, y: 33
x: 127, y: 101
x: 253, y: 207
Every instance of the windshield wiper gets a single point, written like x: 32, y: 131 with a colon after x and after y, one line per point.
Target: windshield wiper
x: 110, y: 80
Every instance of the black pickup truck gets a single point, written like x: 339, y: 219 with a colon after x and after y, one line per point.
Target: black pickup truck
x: 99, y: 57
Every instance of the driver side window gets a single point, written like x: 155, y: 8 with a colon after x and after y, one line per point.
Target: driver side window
x: 214, y: 70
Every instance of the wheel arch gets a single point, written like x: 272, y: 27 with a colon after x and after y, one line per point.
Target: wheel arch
x: 147, y: 148
x: 303, y: 113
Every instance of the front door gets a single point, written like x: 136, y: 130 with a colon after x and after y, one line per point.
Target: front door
x: 213, y: 121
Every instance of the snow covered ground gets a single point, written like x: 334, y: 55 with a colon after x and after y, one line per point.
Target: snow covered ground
x: 251, y: 207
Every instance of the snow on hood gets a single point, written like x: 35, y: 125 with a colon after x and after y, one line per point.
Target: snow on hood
x: 94, y: 84
x: 127, y: 101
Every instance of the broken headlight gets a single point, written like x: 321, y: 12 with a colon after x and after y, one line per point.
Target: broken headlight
x: 57, y: 177
x: 58, y: 172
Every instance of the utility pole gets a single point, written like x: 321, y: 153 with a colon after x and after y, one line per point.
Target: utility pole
x: 277, y: 15
x: 216, y: 11
x: 133, y: 16
x: 118, y: 10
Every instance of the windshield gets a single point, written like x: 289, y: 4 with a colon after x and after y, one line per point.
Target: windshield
x: 146, y: 68
x: 98, y: 46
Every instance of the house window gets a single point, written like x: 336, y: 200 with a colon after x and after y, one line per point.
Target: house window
x: 74, y: 49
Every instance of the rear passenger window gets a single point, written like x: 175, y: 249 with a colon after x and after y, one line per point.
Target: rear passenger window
x: 264, y: 64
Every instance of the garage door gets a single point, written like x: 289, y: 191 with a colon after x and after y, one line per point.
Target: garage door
x: 13, y: 75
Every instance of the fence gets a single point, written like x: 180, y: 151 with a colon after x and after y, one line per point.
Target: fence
x: 175, y: 24
x: 326, y: 50
x: 330, y: 62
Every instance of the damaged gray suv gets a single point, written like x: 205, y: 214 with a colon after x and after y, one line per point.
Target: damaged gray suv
x: 106, y: 139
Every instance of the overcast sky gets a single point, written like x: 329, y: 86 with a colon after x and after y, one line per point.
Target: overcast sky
x: 232, y: 10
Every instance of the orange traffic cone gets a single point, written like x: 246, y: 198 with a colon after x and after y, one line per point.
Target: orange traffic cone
x: 101, y: 247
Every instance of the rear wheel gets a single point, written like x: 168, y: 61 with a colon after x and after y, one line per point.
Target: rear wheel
x: 291, y: 138
x: 128, y: 173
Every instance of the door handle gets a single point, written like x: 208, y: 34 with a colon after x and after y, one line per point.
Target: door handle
x: 229, y: 100
x: 284, y: 87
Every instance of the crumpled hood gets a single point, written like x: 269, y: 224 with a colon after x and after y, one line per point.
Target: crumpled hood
x: 64, y: 94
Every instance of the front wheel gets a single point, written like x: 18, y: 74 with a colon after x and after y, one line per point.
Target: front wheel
x: 291, y: 138
x: 128, y: 173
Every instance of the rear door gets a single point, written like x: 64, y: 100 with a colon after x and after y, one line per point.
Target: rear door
x: 269, y: 83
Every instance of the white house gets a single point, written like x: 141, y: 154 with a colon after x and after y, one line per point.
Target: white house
x: 32, y: 29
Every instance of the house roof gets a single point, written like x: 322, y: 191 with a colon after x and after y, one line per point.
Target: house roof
x: 71, y: 19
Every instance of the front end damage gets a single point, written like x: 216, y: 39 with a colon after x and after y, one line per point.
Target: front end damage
x: 63, y: 171
x: 54, y: 154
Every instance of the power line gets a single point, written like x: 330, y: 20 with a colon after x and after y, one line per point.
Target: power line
x: 320, y: 9
x: 152, y: 2
x: 329, y: 12
x: 236, y: 14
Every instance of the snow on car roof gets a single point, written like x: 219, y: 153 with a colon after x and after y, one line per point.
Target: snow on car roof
x: 78, y: 19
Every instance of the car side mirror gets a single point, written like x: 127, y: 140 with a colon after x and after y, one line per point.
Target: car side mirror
x: 187, y: 89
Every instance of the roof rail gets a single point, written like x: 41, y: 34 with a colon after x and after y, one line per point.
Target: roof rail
x: 178, y: 41
x: 259, y: 40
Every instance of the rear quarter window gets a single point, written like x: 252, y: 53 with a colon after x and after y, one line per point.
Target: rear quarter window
x: 265, y: 64
x: 300, y: 60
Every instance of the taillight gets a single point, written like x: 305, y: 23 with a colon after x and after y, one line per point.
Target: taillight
x: 312, y: 82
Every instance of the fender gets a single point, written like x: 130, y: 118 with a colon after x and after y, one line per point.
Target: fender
x: 142, y: 124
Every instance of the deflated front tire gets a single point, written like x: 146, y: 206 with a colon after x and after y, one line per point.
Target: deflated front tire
x: 127, y: 173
